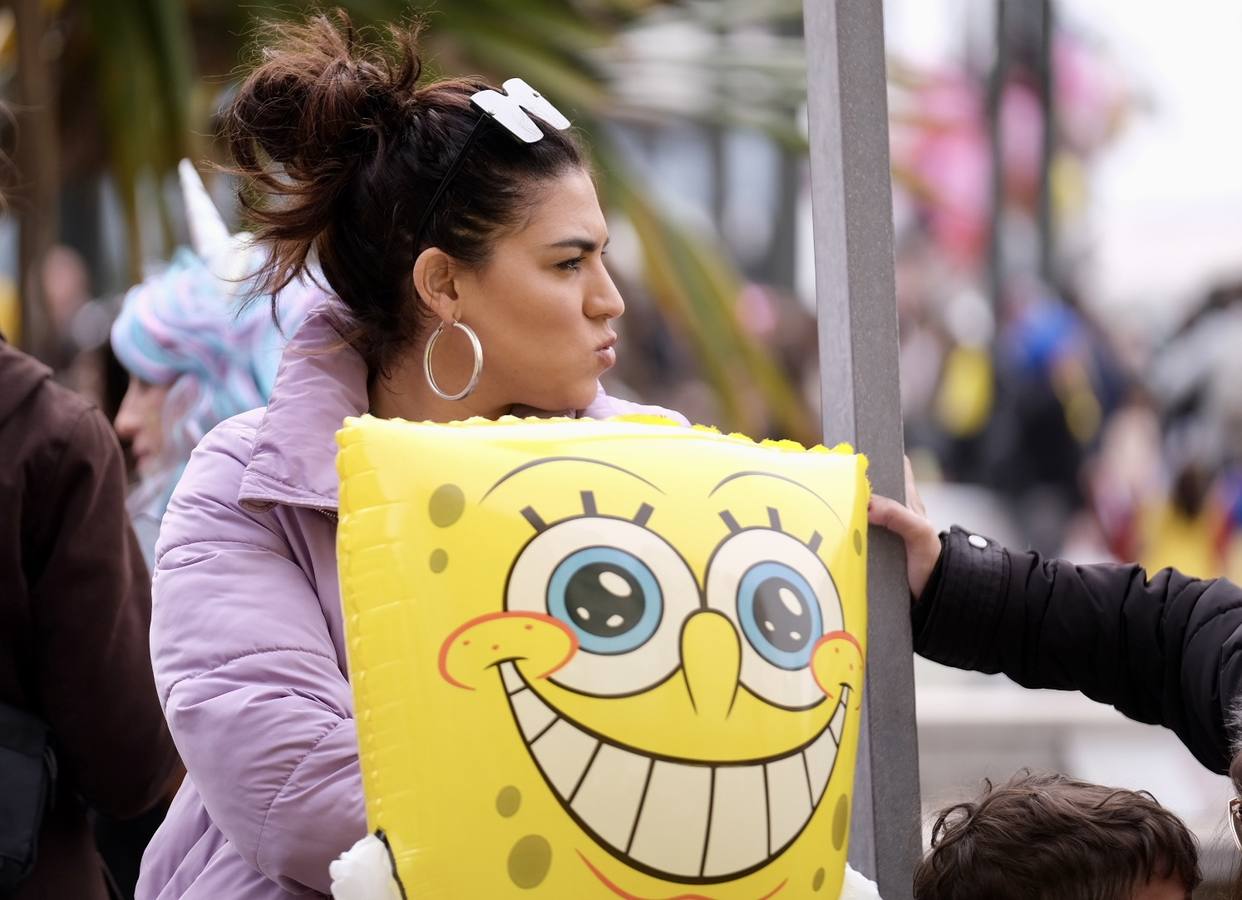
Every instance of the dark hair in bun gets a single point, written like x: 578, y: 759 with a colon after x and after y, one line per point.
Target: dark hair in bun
x: 340, y: 150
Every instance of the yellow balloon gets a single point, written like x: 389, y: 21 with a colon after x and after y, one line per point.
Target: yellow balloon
x: 604, y: 659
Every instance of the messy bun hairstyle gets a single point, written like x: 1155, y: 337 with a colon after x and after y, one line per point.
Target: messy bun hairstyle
x: 340, y: 151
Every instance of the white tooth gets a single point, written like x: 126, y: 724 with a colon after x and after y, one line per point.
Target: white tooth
x: 738, y: 837
x: 513, y: 681
x: 563, y: 753
x: 789, y: 800
x: 820, y: 757
x: 532, y: 714
x: 837, y: 725
x: 672, y: 826
x: 611, y: 793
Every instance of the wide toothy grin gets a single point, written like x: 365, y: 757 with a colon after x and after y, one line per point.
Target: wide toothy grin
x: 679, y: 819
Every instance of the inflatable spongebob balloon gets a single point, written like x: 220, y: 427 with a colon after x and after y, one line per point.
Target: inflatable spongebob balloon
x: 604, y: 659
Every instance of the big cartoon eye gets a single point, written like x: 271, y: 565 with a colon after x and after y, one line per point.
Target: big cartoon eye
x: 782, y: 600
x: 609, y: 597
x: 779, y: 614
x: 620, y: 588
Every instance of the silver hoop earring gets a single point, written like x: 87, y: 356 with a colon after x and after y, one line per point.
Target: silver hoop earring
x: 478, y: 362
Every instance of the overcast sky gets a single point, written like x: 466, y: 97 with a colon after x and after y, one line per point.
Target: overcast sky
x: 1166, y: 211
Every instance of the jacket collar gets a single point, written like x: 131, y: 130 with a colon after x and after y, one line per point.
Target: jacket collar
x: 321, y: 380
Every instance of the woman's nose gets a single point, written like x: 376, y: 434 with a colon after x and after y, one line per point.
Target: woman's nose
x: 604, y: 301
x: 127, y: 422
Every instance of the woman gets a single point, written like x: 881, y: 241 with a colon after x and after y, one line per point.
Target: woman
x: 448, y: 241
x: 193, y: 359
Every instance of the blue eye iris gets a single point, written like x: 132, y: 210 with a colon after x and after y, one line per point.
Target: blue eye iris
x: 608, y: 597
x: 779, y: 614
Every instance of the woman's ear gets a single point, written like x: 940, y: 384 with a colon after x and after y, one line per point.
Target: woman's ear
x: 434, y: 280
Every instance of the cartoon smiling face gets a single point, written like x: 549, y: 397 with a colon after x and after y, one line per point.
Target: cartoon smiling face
x: 615, y: 659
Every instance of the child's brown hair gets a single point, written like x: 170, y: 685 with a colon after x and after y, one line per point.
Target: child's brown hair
x: 1049, y: 837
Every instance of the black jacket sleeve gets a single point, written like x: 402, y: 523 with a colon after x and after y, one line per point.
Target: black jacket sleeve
x: 1163, y: 650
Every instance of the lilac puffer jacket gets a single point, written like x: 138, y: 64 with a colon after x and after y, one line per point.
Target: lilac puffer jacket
x: 248, y: 645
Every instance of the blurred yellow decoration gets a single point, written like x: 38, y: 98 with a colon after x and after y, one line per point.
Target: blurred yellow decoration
x: 1072, y: 384
x: 10, y: 311
x: 964, y: 401
x: 1171, y: 538
x: 604, y: 659
x: 1069, y: 187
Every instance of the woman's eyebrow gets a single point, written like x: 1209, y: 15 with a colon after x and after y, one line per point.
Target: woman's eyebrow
x: 586, y: 245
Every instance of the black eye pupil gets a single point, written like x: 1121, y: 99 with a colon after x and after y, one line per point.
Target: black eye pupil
x: 783, y: 614
x: 604, y: 599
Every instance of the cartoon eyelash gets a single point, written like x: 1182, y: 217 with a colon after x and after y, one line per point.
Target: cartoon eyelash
x: 774, y: 522
x: 589, y: 508
x: 536, y: 520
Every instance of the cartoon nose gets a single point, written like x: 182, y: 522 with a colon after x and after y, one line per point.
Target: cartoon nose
x: 711, y: 658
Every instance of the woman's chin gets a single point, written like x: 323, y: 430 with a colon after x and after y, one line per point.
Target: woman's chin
x: 573, y: 397
x: 583, y: 396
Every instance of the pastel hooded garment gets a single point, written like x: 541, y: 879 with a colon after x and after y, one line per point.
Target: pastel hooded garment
x: 184, y: 328
x: 248, y: 645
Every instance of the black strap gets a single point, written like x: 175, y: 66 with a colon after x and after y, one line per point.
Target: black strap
x: 449, y: 173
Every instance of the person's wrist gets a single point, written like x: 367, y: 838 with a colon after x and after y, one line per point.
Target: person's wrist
x: 929, y: 552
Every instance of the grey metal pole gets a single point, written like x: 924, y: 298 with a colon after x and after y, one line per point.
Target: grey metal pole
x: 852, y: 213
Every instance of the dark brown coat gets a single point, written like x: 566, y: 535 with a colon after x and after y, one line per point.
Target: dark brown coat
x: 75, y: 610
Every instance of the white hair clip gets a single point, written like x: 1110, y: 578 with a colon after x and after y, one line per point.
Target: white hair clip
x: 510, y: 109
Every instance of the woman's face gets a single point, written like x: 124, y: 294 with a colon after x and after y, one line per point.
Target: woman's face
x: 140, y: 422
x: 542, y: 305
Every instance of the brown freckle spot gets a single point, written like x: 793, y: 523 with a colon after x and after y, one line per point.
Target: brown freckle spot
x: 529, y: 861
x: 836, y: 649
x: 818, y: 881
x: 446, y: 505
x: 465, y: 643
x: 508, y: 801
x: 439, y: 561
x: 529, y: 627
x: 495, y: 646
x: 851, y: 667
x: 840, y: 819
x: 857, y: 541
